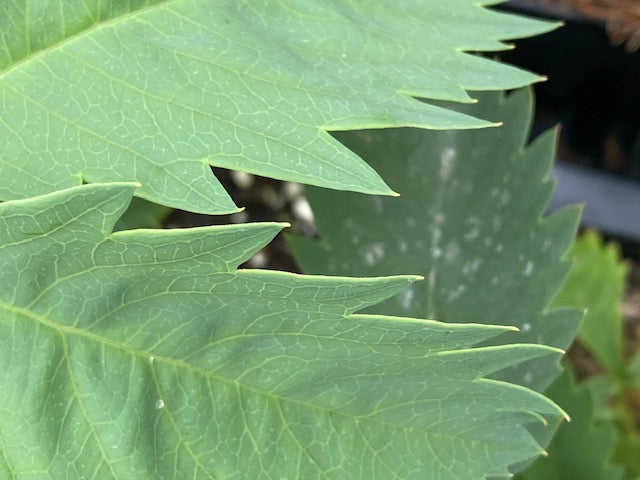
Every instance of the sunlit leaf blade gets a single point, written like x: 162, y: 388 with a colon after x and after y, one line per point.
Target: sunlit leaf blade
x: 156, y: 91
x: 145, y: 354
x: 469, y: 220
x: 596, y: 283
x: 581, y: 448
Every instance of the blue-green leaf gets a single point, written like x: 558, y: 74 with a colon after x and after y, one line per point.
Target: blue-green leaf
x: 469, y: 221
x: 145, y: 354
x: 157, y: 90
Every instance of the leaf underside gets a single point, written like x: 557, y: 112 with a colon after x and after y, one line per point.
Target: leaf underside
x: 469, y: 220
x: 146, y: 354
x: 156, y: 91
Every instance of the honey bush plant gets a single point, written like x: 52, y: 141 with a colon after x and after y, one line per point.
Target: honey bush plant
x: 147, y: 354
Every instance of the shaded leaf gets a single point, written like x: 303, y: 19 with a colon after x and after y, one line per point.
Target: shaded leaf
x: 146, y: 354
x: 633, y: 370
x: 580, y: 449
x: 142, y: 214
x: 158, y: 90
x: 627, y: 454
x: 469, y: 221
x: 596, y: 282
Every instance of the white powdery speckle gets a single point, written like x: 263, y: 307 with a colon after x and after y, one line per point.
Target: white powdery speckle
x: 447, y: 162
x: 460, y: 289
x: 378, y: 206
x: 436, y: 236
x: 406, y: 298
x: 526, y: 327
x: 452, y: 250
x: 472, y: 266
x: 528, y: 268
x: 373, y: 254
x: 159, y: 404
x: 504, y: 199
x: 471, y: 234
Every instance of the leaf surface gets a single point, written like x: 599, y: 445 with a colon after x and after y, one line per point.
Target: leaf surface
x: 580, y: 449
x: 469, y: 221
x: 142, y: 214
x: 157, y: 90
x: 146, y: 354
x: 596, y: 282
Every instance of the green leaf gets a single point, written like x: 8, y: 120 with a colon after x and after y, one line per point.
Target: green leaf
x: 157, y: 90
x: 142, y: 214
x: 596, y: 282
x: 615, y: 403
x: 580, y: 449
x: 146, y: 354
x: 627, y: 454
x: 633, y: 371
x: 469, y: 221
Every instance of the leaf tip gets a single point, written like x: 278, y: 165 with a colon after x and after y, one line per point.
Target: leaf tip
x: 556, y: 350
